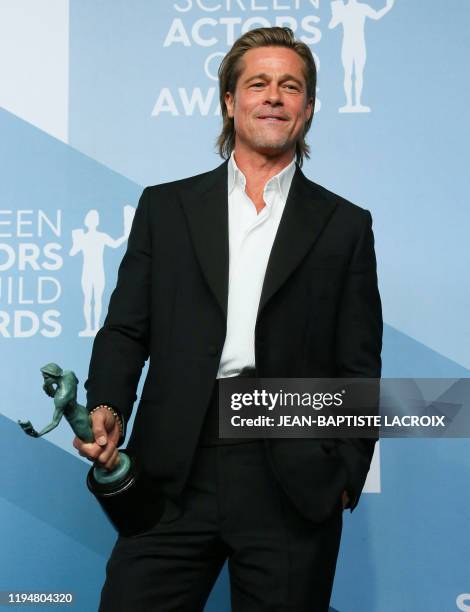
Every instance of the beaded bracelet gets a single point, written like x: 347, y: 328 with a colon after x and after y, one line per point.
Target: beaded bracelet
x: 115, y: 414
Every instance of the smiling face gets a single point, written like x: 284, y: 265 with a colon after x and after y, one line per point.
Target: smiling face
x: 270, y: 105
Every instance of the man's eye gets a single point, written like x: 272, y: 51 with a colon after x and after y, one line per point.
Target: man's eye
x: 291, y: 86
x: 257, y: 84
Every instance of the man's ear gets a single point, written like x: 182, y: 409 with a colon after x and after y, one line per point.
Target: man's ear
x: 309, y: 108
x: 229, y: 103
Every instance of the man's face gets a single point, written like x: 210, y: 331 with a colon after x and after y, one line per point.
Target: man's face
x: 270, y: 105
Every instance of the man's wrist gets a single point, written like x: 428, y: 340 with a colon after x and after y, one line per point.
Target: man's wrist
x: 116, y: 415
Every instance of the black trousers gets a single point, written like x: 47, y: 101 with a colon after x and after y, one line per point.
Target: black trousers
x: 232, y: 508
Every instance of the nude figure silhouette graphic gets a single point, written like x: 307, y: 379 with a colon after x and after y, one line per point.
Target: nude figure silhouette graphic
x: 91, y: 244
x: 352, y: 16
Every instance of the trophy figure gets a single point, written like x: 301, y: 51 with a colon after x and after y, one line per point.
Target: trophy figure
x: 129, y: 498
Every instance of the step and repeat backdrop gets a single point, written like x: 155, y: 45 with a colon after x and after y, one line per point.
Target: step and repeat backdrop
x: 99, y: 98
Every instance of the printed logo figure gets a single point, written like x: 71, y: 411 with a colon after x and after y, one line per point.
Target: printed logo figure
x: 353, y: 52
x: 92, y: 244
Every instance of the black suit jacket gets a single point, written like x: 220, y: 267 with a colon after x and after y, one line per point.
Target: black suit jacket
x: 319, y: 316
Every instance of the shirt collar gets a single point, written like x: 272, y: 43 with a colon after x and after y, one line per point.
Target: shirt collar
x: 280, y: 182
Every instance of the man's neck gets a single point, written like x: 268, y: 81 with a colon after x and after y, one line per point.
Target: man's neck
x: 258, y: 169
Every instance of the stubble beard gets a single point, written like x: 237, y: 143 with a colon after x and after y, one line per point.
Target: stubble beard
x: 275, y: 143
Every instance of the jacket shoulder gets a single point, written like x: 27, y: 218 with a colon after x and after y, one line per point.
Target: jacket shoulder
x: 343, y: 206
x: 190, y: 182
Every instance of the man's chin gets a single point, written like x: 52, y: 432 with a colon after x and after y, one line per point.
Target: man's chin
x: 273, y: 147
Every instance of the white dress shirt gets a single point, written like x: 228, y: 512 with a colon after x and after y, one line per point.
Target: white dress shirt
x: 251, y: 237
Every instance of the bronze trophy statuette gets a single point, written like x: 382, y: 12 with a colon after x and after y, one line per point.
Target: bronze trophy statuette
x: 129, y: 497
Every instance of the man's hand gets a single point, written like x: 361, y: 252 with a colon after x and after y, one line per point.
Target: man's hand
x: 346, y: 499
x: 106, y: 432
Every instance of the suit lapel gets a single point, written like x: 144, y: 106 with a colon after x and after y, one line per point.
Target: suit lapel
x: 304, y: 217
x: 206, y: 208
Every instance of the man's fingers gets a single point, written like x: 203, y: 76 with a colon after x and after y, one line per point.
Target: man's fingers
x: 90, y: 450
x: 99, y: 430
x: 106, y: 433
x: 106, y: 454
x: 113, y: 461
x: 85, y: 449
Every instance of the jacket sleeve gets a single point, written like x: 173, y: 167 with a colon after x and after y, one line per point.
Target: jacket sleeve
x: 358, y: 347
x: 121, y: 346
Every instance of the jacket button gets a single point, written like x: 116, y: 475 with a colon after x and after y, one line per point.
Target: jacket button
x: 213, y: 350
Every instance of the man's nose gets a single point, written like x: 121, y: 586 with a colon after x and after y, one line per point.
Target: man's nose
x: 273, y: 94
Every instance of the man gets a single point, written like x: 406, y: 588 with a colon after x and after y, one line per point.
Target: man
x: 249, y: 268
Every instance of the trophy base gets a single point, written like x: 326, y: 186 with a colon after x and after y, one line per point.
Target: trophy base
x: 133, y: 504
x: 117, y: 475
